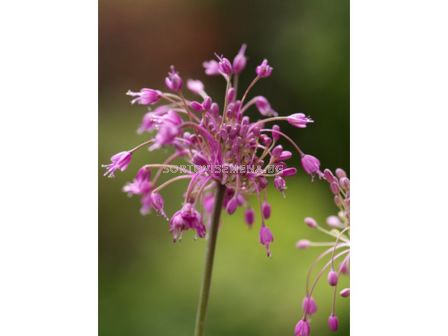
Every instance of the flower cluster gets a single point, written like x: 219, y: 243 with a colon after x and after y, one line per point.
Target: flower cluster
x: 336, y: 258
x: 207, y: 134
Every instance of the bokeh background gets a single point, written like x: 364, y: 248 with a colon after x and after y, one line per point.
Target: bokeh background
x: 147, y: 284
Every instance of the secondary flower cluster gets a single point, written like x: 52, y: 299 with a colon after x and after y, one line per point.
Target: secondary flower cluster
x: 206, y: 134
x: 336, y: 258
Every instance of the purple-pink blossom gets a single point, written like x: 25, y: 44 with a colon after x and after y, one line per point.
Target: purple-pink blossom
x: 145, y: 96
x: 336, y: 257
x: 221, y: 143
x: 119, y: 161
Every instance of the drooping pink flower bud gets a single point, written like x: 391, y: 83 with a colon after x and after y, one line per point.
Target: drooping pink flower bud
x: 145, y: 96
x: 232, y: 204
x: 290, y: 171
x: 285, y: 155
x: 211, y: 68
x: 197, y: 106
x: 345, y: 292
x: 173, y: 81
x: 277, y: 151
x: 328, y: 175
x: 299, y: 120
x: 344, y: 267
x: 309, y: 305
x: 311, y: 222
x: 332, y: 278
x: 240, y: 60
x: 344, y: 182
x: 340, y: 173
x: 303, y: 244
x: 199, y: 159
x: 158, y: 203
x: 231, y: 94
x: 302, y: 328
x: 195, y: 86
x: 266, y: 210
x: 119, y: 161
x: 275, y: 134
x: 310, y: 164
x: 334, y: 222
x: 141, y: 184
x: 205, y: 106
x: 224, y: 66
x: 266, y: 238
x: 264, y: 107
x: 333, y: 322
x: 264, y: 70
x: 334, y: 187
x: 249, y: 216
x: 166, y: 135
x: 208, y: 201
x: 280, y: 183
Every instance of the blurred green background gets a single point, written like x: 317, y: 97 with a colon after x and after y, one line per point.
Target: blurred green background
x: 147, y: 284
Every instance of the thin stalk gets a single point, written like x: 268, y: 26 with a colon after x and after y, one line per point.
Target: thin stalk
x: 209, y: 257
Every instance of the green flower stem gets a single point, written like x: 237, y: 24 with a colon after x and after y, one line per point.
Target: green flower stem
x: 209, y: 257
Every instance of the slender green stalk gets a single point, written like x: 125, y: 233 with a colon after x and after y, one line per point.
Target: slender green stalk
x: 208, y: 267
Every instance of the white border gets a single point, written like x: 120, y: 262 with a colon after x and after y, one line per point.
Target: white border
x: 399, y: 76
x: 48, y: 137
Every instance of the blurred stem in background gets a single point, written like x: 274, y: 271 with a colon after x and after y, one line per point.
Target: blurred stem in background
x: 209, y: 257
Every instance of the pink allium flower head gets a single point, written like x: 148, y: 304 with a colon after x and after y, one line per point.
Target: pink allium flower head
x: 333, y: 322
x: 119, y: 161
x: 339, y: 248
x: 311, y: 222
x: 280, y: 183
x: 310, y: 164
x: 249, y: 216
x: 195, y: 86
x: 266, y: 238
x: 264, y: 107
x: 302, y: 328
x: 303, y: 244
x: 266, y: 210
x: 211, y: 68
x: 332, y: 278
x: 145, y: 96
x: 223, y: 145
x: 173, y: 81
x: 290, y: 171
x: 299, y: 120
x: 345, y: 292
x: 309, y: 305
x: 264, y: 70
x: 240, y: 60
